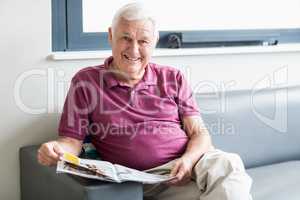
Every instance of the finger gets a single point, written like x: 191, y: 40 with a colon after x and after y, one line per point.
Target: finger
x: 49, y: 152
x: 174, y: 170
x: 43, y: 153
x: 172, y: 182
x: 178, y: 182
x: 44, y: 161
x: 58, y: 150
x: 51, y: 161
x: 182, y: 176
x: 40, y: 159
x: 181, y: 173
x: 47, y: 159
x: 185, y: 175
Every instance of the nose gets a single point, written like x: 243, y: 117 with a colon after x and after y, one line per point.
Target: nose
x: 134, y: 48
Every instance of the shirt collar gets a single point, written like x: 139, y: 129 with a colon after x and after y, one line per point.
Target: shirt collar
x: 149, y: 77
x: 108, y: 76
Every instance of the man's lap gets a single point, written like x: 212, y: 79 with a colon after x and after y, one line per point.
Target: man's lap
x: 213, y: 165
x: 165, y: 192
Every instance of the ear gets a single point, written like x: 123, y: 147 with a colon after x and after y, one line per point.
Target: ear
x: 110, y: 35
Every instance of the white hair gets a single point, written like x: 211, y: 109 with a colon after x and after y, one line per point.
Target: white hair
x: 134, y: 11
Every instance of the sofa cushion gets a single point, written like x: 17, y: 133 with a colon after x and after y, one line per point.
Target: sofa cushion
x: 276, y: 182
x: 261, y: 126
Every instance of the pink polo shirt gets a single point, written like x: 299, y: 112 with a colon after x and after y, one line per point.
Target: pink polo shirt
x: 139, y: 127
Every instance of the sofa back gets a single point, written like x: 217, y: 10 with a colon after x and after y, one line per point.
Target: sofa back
x: 262, y: 126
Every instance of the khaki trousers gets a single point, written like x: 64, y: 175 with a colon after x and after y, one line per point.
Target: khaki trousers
x: 218, y: 175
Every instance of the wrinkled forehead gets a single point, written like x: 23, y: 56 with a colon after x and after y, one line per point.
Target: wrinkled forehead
x: 141, y: 27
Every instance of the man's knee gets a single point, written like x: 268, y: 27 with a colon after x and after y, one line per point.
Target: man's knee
x: 219, y: 162
x: 223, y: 173
x: 232, y: 161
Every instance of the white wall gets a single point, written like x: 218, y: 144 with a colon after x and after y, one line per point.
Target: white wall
x: 25, y: 43
x: 224, y: 16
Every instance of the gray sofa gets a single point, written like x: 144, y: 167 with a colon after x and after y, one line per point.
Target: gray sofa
x: 261, y: 126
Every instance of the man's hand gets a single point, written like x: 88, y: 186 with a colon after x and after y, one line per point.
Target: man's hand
x: 49, y: 153
x: 182, y: 170
x: 199, y: 143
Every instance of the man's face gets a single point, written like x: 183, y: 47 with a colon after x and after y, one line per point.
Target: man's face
x: 132, y: 45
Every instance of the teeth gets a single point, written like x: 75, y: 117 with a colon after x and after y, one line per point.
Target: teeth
x: 131, y: 59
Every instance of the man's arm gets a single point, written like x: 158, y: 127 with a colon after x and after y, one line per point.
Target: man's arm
x: 199, y: 138
x: 49, y: 153
x: 199, y: 143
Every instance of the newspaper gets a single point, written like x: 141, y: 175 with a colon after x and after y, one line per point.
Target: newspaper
x: 106, y: 171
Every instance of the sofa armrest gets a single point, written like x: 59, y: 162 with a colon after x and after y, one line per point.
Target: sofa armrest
x: 43, y: 183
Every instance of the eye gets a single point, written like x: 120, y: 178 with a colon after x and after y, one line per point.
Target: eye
x: 144, y: 42
x: 126, y: 38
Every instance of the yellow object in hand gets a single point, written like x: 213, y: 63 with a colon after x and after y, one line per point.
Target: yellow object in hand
x: 71, y: 158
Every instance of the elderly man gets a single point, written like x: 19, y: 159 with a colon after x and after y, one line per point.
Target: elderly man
x: 143, y: 115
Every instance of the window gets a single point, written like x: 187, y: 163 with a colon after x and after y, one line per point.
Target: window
x: 82, y: 24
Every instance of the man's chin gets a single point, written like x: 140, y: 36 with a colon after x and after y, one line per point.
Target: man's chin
x: 132, y: 68
x: 133, y: 65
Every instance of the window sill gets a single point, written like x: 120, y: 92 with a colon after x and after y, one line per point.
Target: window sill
x: 84, y: 55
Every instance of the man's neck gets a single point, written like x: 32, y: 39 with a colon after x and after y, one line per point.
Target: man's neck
x: 127, y: 79
x: 129, y: 82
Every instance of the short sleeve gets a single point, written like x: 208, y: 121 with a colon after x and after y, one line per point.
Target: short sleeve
x: 74, y: 120
x: 187, y: 104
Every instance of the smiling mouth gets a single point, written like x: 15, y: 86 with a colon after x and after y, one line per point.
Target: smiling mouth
x: 131, y: 59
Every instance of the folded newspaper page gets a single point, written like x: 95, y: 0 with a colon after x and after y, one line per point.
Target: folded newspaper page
x: 106, y: 171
